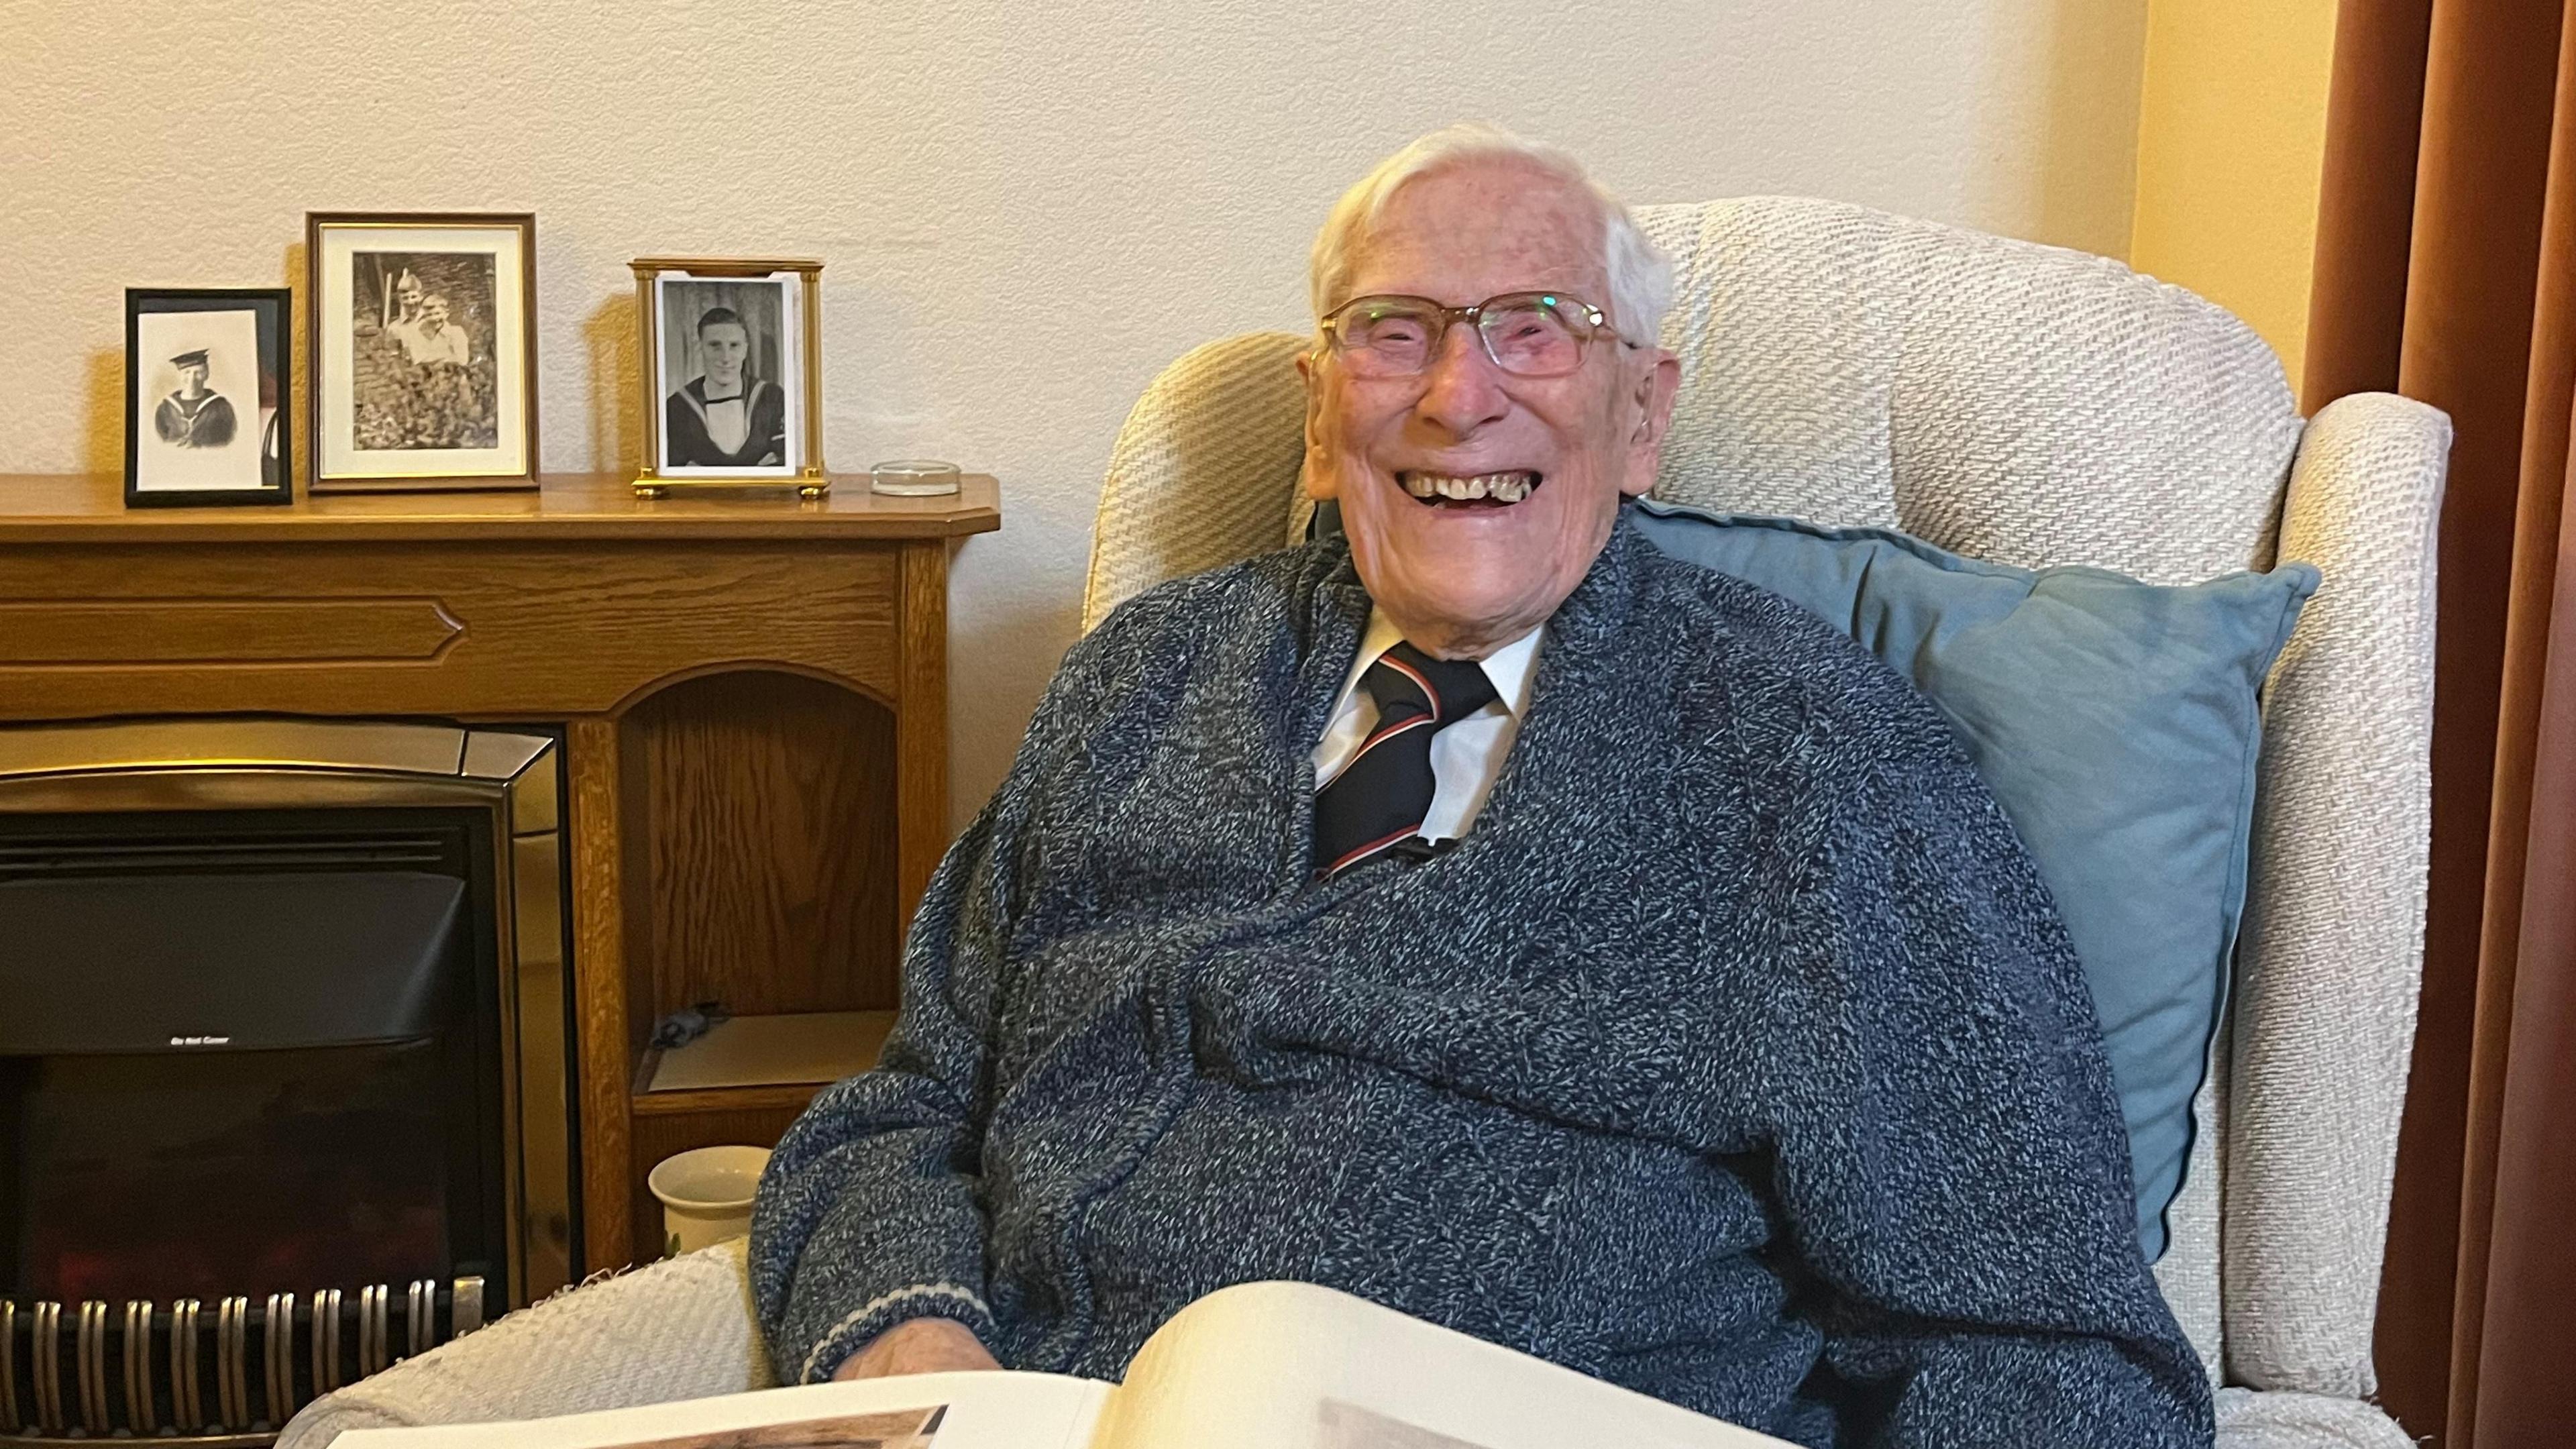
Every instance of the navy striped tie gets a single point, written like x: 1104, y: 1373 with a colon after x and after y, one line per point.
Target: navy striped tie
x: 1378, y: 801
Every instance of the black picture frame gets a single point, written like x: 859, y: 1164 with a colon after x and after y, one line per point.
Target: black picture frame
x: 273, y: 310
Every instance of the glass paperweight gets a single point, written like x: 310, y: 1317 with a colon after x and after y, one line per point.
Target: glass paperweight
x: 913, y: 478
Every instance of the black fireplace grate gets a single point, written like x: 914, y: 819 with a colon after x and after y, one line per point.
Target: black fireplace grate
x: 227, y: 1375
x: 29, y: 856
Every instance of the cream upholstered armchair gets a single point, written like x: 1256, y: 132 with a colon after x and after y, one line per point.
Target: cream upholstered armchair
x: 2008, y: 401
x: 2034, y: 406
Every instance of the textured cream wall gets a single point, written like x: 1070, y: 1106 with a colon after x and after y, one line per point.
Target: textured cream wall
x: 2231, y: 153
x: 1026, y: 209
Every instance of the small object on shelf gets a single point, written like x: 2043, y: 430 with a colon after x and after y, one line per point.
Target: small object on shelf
x: 732, y: 374
x: 761, y: 1051
x: 422, y: 351
x: 913, y: 478
x: 205, y: 396
x: 687, y: 1024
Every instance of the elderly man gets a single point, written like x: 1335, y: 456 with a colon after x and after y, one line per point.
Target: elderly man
x: 1491, y: 917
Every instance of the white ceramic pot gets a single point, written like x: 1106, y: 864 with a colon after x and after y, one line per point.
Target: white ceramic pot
x: 706, y: 1195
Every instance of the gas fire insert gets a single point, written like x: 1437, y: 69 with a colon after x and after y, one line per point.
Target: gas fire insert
x: 284, y: 1065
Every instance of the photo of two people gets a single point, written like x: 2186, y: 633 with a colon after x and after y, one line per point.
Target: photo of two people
x: 422, y: 327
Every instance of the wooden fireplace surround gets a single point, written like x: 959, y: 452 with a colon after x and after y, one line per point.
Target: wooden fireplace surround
x: 752, y: 693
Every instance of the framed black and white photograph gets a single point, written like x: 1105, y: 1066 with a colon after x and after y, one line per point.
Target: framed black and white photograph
x: 423, y: 343
x: 205, y: 396
x: 730, y: 368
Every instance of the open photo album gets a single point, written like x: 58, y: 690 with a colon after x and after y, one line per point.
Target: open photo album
x: 1257, y: 1366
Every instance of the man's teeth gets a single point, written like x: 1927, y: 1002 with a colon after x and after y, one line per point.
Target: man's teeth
x: 1501, y: 487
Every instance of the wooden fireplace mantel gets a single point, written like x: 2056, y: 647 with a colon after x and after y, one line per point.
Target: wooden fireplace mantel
x: 752, y: 690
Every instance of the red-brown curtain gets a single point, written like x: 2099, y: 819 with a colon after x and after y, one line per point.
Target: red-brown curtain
x: 2446, y: 269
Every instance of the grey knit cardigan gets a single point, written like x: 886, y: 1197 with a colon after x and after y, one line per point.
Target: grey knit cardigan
x: 1737, y: 1055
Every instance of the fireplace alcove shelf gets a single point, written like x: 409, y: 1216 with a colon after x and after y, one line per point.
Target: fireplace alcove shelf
x: 751, y: 694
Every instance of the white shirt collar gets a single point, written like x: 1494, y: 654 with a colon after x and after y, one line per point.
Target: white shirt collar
x: 1510, y: 668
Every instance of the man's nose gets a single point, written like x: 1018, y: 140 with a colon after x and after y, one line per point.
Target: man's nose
x: 1462, y: 390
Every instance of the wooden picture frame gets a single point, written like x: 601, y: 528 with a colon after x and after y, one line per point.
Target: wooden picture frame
x: 197, y: 359
x: 412, y: 389
x: 769, y: 314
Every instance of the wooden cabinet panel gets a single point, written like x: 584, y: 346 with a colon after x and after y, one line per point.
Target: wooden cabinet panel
x: 446, y: 628
x: 760, y: 811
x: 602, y: 1050
x: 223, y: 631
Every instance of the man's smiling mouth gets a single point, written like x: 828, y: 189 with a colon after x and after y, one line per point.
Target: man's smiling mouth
x: 1486, y: 489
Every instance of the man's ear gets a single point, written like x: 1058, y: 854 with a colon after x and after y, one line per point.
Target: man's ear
x: 1658, y: 384
x: 1315, y: 472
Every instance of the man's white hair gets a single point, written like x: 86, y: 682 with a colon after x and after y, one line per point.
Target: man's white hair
x: 1641, y: 278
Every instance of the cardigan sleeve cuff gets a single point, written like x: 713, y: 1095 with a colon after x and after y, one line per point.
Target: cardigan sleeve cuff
x: 922, y: 1300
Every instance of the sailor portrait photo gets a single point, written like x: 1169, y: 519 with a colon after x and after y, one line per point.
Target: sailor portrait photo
x: 205, y: 382
x: 726, y: 369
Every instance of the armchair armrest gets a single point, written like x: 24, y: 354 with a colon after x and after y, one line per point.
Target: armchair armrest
x: 2333, y: 945
x: 682, y: 1329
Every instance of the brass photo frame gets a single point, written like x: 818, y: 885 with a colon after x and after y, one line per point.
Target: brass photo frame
x: 421, y: 354
x: 798, y: 351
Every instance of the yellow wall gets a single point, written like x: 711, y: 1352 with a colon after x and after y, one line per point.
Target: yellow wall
x: 2231, y: 138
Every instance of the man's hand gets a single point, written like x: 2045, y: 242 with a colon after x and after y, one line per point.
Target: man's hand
x: 918, y: 1346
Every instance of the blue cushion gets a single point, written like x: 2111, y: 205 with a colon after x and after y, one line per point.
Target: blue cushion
x: 2116, y: 721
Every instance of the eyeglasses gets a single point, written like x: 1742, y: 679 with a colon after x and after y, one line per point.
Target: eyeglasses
x: 1527, y: 334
